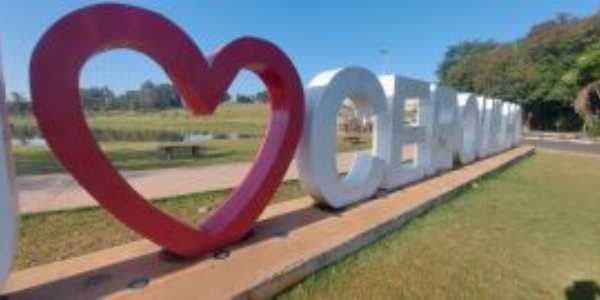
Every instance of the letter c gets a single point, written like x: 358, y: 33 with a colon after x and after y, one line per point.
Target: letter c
x: 316, y: 152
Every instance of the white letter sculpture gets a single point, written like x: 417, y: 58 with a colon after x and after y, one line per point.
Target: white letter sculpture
x: 445, y: 130
x: 506, y: 126
x: 469, y: 129
x: 483, y: 131
x: 316, y: 153
x: 396, y: 132
x: 512, y: 125
x: 517, y: 133
x: 8, y: 201
x: 495, y: 126
x: 487, y: 138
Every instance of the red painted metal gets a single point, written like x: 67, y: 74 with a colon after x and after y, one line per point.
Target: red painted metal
x: 55, y: 67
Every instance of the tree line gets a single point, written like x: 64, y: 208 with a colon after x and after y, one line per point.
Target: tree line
x: 553, y: 72
x: 150, y: 96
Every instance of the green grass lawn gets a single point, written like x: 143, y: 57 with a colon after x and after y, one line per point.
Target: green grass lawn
x: 529, y: 232
x: 244, y: 119
x: 49, y: 237
x: 31, y: 160
x: 138, y: 155
x: 229, y: 117
x: 35, y: 160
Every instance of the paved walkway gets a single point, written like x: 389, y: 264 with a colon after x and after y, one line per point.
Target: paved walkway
x: 53, y: 192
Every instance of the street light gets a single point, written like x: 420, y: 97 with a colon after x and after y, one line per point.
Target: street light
x: 385, y: 60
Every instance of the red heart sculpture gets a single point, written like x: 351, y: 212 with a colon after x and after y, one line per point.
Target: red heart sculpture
x: 55, y: 67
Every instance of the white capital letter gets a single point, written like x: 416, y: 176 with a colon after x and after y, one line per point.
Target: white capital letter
x: 445, y: 140
x: 8, y: 200
x: 468, y: 127
x: 396, y: 132
x: 316, y: 152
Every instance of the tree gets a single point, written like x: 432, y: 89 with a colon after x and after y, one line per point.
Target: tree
x: 585, y: 78
x: 167, y: 97
x: 97, y: 98
x: 226, y: 97
x: 149, y: 94
x: 241, y: 98
x: 456, y: 69
x: 544, y: 71
x: 18, y: 104
x: 261, y: 97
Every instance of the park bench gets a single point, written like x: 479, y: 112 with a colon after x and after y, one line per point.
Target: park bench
x: 169, y: 150
x: 354, y: 139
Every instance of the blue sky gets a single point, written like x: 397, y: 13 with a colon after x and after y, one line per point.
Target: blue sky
x: 317, y: 35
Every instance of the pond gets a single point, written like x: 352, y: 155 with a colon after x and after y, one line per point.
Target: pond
x: 31, y: 136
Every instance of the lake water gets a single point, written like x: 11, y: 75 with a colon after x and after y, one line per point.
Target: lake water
x: 32, y: 137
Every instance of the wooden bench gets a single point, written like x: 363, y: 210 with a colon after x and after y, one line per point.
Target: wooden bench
x: 169, y: 150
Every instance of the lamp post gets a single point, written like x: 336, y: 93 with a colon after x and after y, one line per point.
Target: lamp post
x: 385, y: 60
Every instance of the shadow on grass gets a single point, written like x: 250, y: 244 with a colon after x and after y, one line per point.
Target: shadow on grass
x: 583, y: 290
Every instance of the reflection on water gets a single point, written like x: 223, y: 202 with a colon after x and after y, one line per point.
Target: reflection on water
x: 30, y: 136
x: 201, y: 137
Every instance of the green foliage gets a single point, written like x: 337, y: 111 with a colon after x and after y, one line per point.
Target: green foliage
x: 456, y: 68
x: 587, y: 66
x: 592, y: 126
x: 542, y: 71
x: 567, y: 122
x: 18, y: 104
x: 262, y: 96
x: 149, y: 97
x: 243, y: 99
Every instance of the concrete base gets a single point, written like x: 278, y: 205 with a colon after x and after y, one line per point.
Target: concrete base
x: 287, y: 245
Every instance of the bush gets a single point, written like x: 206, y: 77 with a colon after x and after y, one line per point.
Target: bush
x: 567, y: 122
x: 592, y: 126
